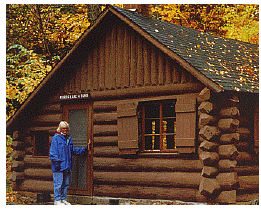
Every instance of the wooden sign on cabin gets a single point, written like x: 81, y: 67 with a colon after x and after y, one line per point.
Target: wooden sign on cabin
x: 75, y: 96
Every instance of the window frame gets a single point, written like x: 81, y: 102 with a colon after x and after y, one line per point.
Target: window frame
x: 142, y: 131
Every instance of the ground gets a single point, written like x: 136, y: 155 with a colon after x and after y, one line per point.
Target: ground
x: 25, y: 198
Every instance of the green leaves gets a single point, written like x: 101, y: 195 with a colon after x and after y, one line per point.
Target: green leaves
x: 24, y: 71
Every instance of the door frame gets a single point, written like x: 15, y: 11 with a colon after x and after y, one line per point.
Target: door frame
x: 89, y: 175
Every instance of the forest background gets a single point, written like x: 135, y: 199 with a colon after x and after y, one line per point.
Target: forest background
x: 38, y: 36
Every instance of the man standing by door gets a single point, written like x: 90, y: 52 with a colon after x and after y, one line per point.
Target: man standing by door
x: 61, y: 151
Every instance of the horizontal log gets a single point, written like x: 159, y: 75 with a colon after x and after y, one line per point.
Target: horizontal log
x: 244, y: 134
x: 105, y: 130
x: 105, y: 118
x: 47, y: 128
x: 104, y: 151
x: 34, y: 186
x: 146, y: 164
x: 104, y: 106
x: 210, y: 133
x: 14, y: 176
x: 230, y: 102
x: 47, y: 118
x: 17, y: 145
x: 147, y: 91
x: 17, y: 165
x: 229, y: 112
x: 247, y: 197
x: 31, y: 161
x: 228, y: 125
x: 247, y: 170
x: 206, y: 119
x: 242, y: 146
x: 53, y: 107
x: 28, y: 140
x: 244, y: 121
x: 227, y: 197
x: 207, y: 107
x: 174, y: 179
x: 245, y: 158
x: 248, y: 183
x: 145, y: 192
x: 36, y: 173
x: 105, y: 141
x: 29, y: 150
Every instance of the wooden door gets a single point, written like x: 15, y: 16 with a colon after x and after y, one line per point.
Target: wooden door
x: 79, y: 117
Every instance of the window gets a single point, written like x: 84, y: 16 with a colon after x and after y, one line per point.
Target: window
x: 158, y: 125
x: 41, y: 143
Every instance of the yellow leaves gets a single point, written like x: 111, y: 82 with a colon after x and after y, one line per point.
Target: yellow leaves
x: 12, y: 92
x: 23, y: 77
x: 210, y: 64
x: 48, y: 68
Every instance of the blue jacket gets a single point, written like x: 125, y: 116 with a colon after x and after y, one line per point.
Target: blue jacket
x: 61, y: 151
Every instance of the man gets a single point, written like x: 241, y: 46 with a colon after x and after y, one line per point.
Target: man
x: 61, y: 151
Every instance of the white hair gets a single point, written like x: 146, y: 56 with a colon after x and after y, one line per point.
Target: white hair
x: 63, y: 124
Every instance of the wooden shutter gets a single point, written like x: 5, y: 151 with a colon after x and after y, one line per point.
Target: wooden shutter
x: 127, y: 128
x: 186, y: 124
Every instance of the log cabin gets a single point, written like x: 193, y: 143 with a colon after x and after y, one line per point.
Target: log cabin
x: 171, y: 113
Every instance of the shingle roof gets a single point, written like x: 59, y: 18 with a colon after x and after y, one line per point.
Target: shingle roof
x: 231, y: 64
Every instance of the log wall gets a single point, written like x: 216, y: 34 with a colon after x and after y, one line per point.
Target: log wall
x: 226, y: 148
x: 138, y: 176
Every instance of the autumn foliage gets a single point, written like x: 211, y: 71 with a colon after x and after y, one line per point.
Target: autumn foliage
x: 38, y: 36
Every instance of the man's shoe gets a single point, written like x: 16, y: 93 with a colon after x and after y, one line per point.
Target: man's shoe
x: 65, y: 202
x: 59, y: 202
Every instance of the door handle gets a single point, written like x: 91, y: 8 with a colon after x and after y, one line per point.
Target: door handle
x: 89, y: 146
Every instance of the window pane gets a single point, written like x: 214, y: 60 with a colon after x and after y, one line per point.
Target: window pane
x: 169, y: 125
x: 148, y: 142
x: 152, y: 126
x: 168, y: 109
x: 152, y: 111
x: 152, y: 142
x: 170, y: 141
